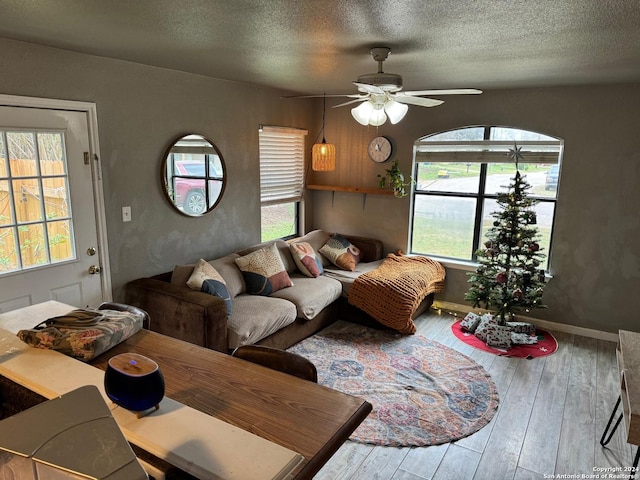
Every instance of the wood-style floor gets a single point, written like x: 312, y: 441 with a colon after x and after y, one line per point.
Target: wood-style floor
x: 552, y: 413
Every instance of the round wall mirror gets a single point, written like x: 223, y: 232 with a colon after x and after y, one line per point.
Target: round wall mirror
x: 193, y: 175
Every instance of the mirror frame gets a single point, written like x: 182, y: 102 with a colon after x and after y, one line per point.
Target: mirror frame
x: 164, y: 180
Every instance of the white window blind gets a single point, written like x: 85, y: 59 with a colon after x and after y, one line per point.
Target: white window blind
x: 281, y: 164
x: 489, y: 151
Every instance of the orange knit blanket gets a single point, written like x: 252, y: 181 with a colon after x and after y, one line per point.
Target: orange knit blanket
x: 392, y: 292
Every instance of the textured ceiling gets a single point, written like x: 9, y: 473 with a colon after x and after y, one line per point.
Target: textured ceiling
x: 316, y: 46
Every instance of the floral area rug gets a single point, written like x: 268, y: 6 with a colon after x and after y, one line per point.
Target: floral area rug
x: 423, y: 393
x: 546, y: 345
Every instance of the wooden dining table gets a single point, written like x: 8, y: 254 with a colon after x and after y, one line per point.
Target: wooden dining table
x: 308, y: 419
x: 303, y: 416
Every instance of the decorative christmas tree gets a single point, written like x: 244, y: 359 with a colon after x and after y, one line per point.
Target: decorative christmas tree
x: 509, y: 277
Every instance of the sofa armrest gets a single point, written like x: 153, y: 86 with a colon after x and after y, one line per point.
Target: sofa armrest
x: 370, y: 248
x: 180, y: 312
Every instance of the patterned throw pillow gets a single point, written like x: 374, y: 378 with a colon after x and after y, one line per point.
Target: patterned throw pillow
x: 263, y: 271
x: 341, y: 252
x: 206, y: 279
x: 306, y: 259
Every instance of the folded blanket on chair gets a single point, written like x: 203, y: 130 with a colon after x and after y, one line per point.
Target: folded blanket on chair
x: 392, y: 292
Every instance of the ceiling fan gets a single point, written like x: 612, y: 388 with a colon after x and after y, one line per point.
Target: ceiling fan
x: 381, y: 96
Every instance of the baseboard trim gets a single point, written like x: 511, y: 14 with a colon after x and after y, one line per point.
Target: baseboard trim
x: 545, y: 324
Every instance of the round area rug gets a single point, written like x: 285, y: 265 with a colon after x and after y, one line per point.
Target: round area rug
x: 547, y: 344
x: 423, y: 393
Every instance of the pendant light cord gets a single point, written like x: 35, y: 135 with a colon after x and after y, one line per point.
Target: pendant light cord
x: 324, y: 111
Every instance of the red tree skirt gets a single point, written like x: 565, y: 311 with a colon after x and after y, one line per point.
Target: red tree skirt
x: 546, y: 345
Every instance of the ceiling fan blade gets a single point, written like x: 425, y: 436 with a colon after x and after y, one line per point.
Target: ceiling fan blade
x: 452, y: 91
x: 365, y: 87
x: 362, y: 99
x: 419, y: 101
x: 348, y: 95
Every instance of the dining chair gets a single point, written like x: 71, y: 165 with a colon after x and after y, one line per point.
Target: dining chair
x: 277, y: 359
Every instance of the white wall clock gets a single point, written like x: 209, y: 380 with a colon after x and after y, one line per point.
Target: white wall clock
x: 380, y: 149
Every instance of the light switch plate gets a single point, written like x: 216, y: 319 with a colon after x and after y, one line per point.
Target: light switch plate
x: 126, y: 214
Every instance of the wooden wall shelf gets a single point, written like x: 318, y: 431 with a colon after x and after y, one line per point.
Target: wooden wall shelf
x: 340, y: 188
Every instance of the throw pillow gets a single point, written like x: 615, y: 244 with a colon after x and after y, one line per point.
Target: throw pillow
x: 306, y: 259
x: 263, y: 271
x: 206, y: 279
x: 341, y: 252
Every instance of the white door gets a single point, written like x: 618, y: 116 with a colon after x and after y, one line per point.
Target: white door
x: 48, y: 235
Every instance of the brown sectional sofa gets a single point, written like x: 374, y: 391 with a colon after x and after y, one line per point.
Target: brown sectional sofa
x: 279, y: 320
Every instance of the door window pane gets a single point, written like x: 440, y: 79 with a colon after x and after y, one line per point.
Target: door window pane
x: 51, y: 153
x: 33, y: 250
x: 4, y: 170
x: 6, y: 213
x: 56, y: 203
x: 22, y: 154
x: 8, y: 250
x: 60, y: 245
x: 27, y: 200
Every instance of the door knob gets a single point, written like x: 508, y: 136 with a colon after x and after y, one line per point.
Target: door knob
x: 91, y: 251
x: 93, y: 269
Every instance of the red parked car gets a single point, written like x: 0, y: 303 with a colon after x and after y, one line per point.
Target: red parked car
x: 189, y: 191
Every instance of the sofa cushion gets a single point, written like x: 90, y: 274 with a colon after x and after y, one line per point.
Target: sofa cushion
x: 225, y: 266
x: 205, y: 278
x: 311, y: 295
x: 263, y: 271
x: 181, y: 274
x: 346, y: 278
x: 308, y: 261
x: 341, y: 252
x: 255, y: 317
x: 317, y: 239
x: 283, y: 249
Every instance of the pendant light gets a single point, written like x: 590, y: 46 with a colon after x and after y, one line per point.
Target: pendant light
x: 323, y: 155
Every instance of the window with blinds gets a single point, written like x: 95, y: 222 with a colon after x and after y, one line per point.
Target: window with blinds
x: 281, y: 180
x: 458, y: 175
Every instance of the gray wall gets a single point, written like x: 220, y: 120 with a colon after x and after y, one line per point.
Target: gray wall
x: 596, y: 246
x: 140, y: 111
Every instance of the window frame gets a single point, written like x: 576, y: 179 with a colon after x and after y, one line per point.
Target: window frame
x: 282, y: 166
x: 481, y: 195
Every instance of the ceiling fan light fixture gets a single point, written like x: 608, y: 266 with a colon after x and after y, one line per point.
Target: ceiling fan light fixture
x: 369, y: 113
x: 395, y: 111
x: 362, y: 112
x: 378, y: 117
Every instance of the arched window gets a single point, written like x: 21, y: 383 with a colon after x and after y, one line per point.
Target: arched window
x: 458, y: 175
